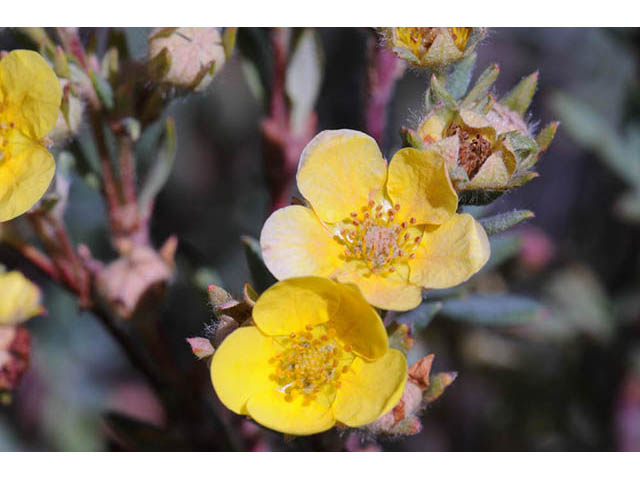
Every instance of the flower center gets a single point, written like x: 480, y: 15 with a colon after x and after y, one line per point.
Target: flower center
x: 375, y: 237
x: 417, y: 39
x: 420, y: 39
x: 460, y: 36
x: 311, y: 364
x: 474, y: 148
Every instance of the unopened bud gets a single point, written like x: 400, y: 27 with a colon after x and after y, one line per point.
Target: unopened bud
x: 186, y: 57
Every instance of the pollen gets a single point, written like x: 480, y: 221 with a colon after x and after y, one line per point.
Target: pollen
x: 474, y: 148
x: 310, y: 364
x: 460, y: 36
x: 417, y: 39
x: 376, y: 238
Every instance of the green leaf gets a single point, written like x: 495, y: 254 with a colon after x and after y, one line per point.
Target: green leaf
x: 229, y: 41
x: 304, y: 77
x: 260, y: 274
x: 504, y: 221
x: 503, y: 248
x: 579, y: 300
x: 482, y: 86
x: 420, y: 317
x: 440, y: 94
x: 253, y: 43
x: 519, y: 98
x: 60, y: 64
x: 458, y: 80
x: 411, y: 139
x: 499, y: 310
x: 161, y: 169
x: 437, y: 385
x: 592, y: 131
x: 546, y: 135
x: 522, y: 145
x: 400, y: 339
x: 478, y: 197
x: 103, y: 89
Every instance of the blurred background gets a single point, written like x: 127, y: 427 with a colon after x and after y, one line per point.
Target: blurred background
x: 561, y: 374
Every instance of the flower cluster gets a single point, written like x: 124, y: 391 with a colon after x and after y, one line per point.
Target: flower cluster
x: 372, y: 233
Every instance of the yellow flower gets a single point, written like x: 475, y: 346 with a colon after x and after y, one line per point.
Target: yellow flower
x: 433, y: 47
x: 19, y: 299
x: 318, y: 355
x: 29, y: 102
x: 390, y: 230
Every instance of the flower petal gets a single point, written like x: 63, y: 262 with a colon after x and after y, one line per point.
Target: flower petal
x: 419, y: 182
x: 357, y: 324
x: 31, y: 92
x: 290, y: 305
x: 270, y: 409
x: 240, y: 367
x: 19, y: 299
x: 449, y: 254
x: 24, y: 176
x: 370, y: 389
x: 389, y: 292
x: 494, y: 173
x: 295, y: 243
x: 339, y: 172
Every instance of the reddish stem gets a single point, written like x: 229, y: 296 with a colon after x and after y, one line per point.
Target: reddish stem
x: 384, y: 70
x: 39, y: 259
x: 108, y: 178
x: 127, y: 170
x: 281, y: 146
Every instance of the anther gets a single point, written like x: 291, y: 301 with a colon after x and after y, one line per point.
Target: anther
x: 397, y: 207
x: 412, y: 220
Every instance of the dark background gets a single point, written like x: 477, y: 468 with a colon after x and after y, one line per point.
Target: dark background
x: 570, y: 382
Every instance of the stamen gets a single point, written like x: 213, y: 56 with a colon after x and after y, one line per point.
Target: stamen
x: 375, y: 238
x: 310, y: 364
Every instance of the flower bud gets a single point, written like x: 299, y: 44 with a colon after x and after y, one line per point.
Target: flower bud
x: 186, y: 57
x: 433, y: 47
x: 139, y: 275
x: 487, y: 143
x: 70, y: 116
x: 14, y: 355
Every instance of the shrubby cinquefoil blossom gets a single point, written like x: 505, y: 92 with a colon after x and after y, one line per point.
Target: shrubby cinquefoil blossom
x: 392, y: 230
x: 433, y: 47
x: 319, y: 354
x: 30, y: 97
x: 19, y: 299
